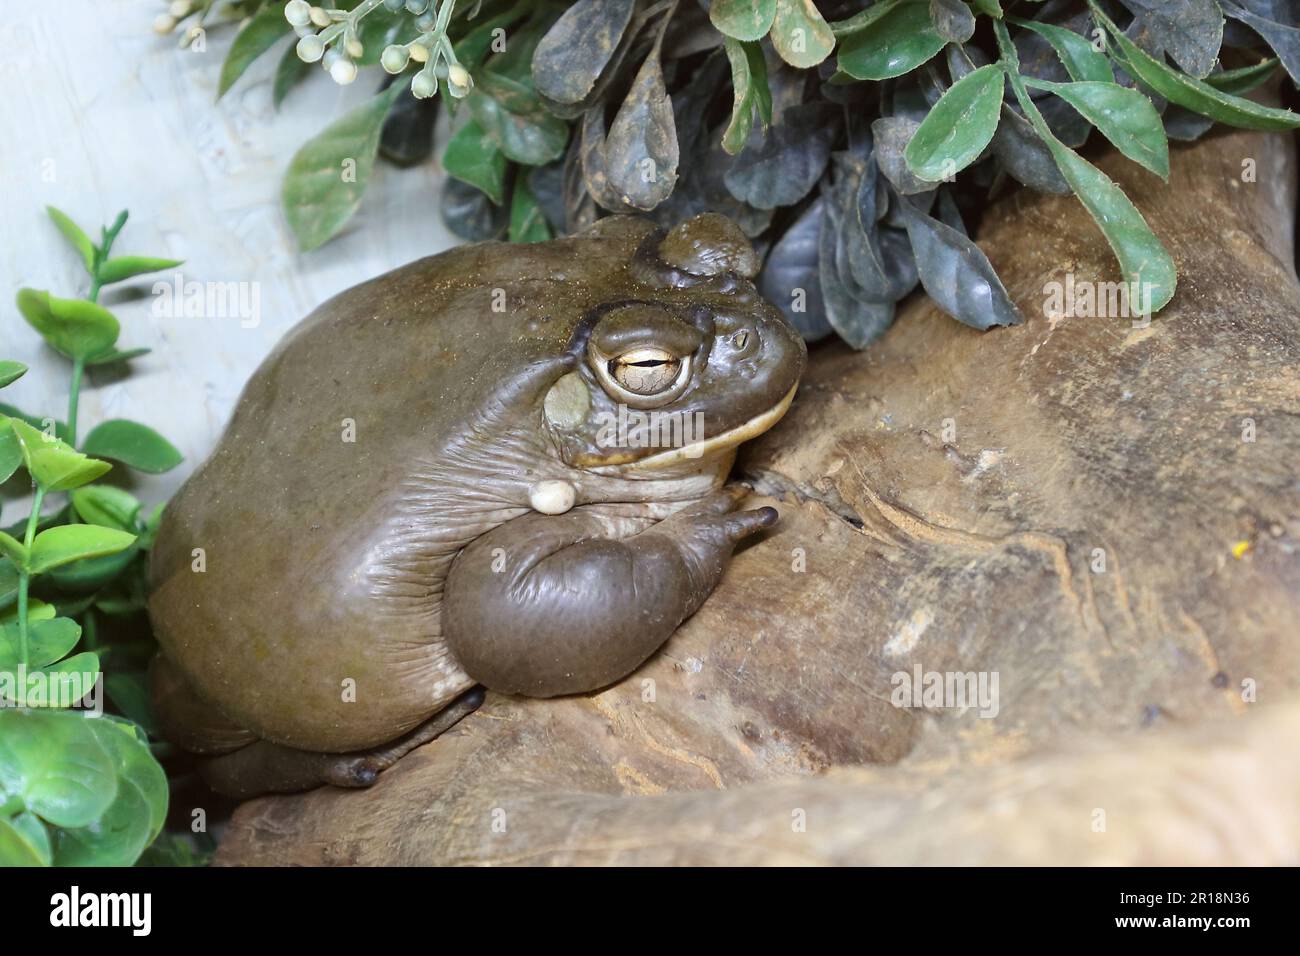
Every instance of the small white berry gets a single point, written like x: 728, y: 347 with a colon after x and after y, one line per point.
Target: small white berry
x: 311, y: 48
x: 419, y: 52
x: 343, y: 71
x: 164, y: 23
x: 298, y: 13
x: 424, y: 85
x: 354, y: 47
x: 394, y: 58
x: 180, y: 8
x: 320, y: 17
x: 459, y: 77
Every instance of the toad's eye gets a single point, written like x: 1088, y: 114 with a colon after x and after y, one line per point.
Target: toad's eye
x: 646, y: 371
x: 645, y: 376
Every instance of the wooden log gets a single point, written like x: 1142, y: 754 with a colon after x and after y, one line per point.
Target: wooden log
x: 1104, y: 516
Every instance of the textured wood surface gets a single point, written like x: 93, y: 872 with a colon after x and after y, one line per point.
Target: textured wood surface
x: 943, y: 499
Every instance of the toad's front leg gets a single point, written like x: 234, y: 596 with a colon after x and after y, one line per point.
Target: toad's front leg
x: 549, y: 605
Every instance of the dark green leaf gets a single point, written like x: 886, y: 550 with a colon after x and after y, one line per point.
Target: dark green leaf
x: 892, y: 134
x: 1076, y: 53
x: 1144, y: 261
x: 132, y: 444
x: 472, y: 158
x: 1244, y: 79
x: 328, y: 175
x: 72, y: 232
x: 257, y: 36
x: 1196, y: 95
x: 527, y: 224
x: 512, y: 117
x: 1124, y: 116
x: 958, y: 127
x: 898, y: 42
x: 470, y: 214
x: 289, y: 72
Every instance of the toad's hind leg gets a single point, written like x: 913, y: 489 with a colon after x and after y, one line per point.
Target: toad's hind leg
x: 236, y: 763
x: 265, y: 767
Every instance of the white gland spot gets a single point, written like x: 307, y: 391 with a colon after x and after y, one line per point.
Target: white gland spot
x: 552, y: 497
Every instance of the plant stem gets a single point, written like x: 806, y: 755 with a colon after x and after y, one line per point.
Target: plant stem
x: 24, y: 579
x: 74, y: 395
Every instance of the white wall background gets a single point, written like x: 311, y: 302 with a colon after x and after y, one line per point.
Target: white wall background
x: 98, y: 113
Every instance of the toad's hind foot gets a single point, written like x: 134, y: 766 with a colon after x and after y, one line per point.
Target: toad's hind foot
x: 265, y: 767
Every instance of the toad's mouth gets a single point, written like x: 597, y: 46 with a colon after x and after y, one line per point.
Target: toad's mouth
x: 699, y: 451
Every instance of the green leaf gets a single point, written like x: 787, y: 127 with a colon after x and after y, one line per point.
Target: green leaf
x: 90, y: 574
x: 743, y: 19
x: 72, y: 232
x: 16, y: 849
x: 60, y: 429
x: 36, y: 611
x: 116, y: 355
x: 958, y: 127
x: 898, y: 42
x: 472, y: 158
x: 47, y: 642
x: 132, y: 444
x: 1124, y: 116
x: 25, y: 841
x: 990, y: 7
x: 1243, y: 79
x: 11, y: 372
x: 257, y: 36
x: 124, y: 267
x: 527, y: 223
x: 53, y: 464
x: 106, y: 506
x: 1076, y: 52
x: 75, y: 327
x: 14, y: 549
x: 1196, y: 95
x: 11, y: 452
x: 750, y: 92
x: 800, y: 35
x: 137, y: 813
x: 1143, y: 260
x: 514, y: 120
x: 289, y: 72
x: 129, y: 691
x: 328, y: 175
x: 51, y: 760
x: 864, y: 18
x: 72, y: 542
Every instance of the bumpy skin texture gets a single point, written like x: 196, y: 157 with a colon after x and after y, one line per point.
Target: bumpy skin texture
x: 328, y: 561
